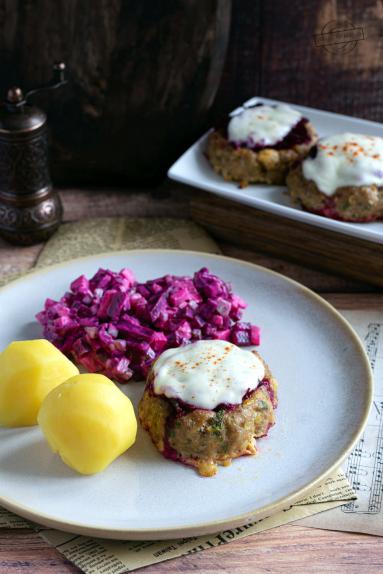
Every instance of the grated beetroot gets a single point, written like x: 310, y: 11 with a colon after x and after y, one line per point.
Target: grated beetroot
x: 112, y: 324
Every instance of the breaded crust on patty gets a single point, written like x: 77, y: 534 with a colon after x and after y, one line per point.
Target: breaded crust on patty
x: 246, y: 166
x: 354, y: 204
x: 204, y: 438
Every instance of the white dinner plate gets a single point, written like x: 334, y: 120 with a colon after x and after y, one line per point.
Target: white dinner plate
x: 325, y: 388
x: 194, y: 169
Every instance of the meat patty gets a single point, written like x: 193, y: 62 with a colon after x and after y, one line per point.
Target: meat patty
x: 244, y: 165
x: 349, y: 203
x: 204, y: 438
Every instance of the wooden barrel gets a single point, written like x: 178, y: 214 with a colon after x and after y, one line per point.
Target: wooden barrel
x: 143, y: 76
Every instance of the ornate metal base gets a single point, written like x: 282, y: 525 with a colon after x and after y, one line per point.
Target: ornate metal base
x: 29, y: 219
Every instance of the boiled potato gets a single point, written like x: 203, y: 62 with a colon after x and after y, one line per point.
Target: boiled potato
x: 28, y: 371
x: 88, y: 421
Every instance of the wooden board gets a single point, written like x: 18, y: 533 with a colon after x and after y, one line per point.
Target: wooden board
x: 300, y: 242
x: 280, y: 551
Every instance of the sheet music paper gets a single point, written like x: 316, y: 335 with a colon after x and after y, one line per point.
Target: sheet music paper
x: 364, y: 466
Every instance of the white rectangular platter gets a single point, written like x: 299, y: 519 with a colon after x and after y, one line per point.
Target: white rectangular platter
x: 193, y: 168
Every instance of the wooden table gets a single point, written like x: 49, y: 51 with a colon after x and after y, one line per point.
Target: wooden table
x: 288, y: 549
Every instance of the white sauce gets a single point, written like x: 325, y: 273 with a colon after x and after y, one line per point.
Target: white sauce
x: 262, y: 125
x: 207, y: 373
x: 346, y: 160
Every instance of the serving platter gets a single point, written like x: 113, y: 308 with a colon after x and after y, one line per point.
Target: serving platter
x: 193, y: 168
x: 325, y: 389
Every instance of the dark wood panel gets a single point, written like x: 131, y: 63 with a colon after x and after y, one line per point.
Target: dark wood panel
x: 298, y: 51
x: 143, y: 76
x: 144, y: 73
x: 310, y: 65
x: 241, y: 77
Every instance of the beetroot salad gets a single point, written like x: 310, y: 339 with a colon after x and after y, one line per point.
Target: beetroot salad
x: 114, y: 325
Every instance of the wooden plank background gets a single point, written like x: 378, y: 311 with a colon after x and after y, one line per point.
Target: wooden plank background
x: 143, y: 74
x: 273, y: 53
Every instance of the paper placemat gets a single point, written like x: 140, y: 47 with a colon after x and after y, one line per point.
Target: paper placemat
x: 364, y: 467
x: 93, y: 236
x: 98, y: 556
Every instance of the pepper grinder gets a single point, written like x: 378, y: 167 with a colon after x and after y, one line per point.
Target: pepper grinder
x: 30, y: 209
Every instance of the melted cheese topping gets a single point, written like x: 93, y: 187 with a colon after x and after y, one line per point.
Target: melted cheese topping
x: 207, y: 373
x: 345, y: 160
x: 262, y: 125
